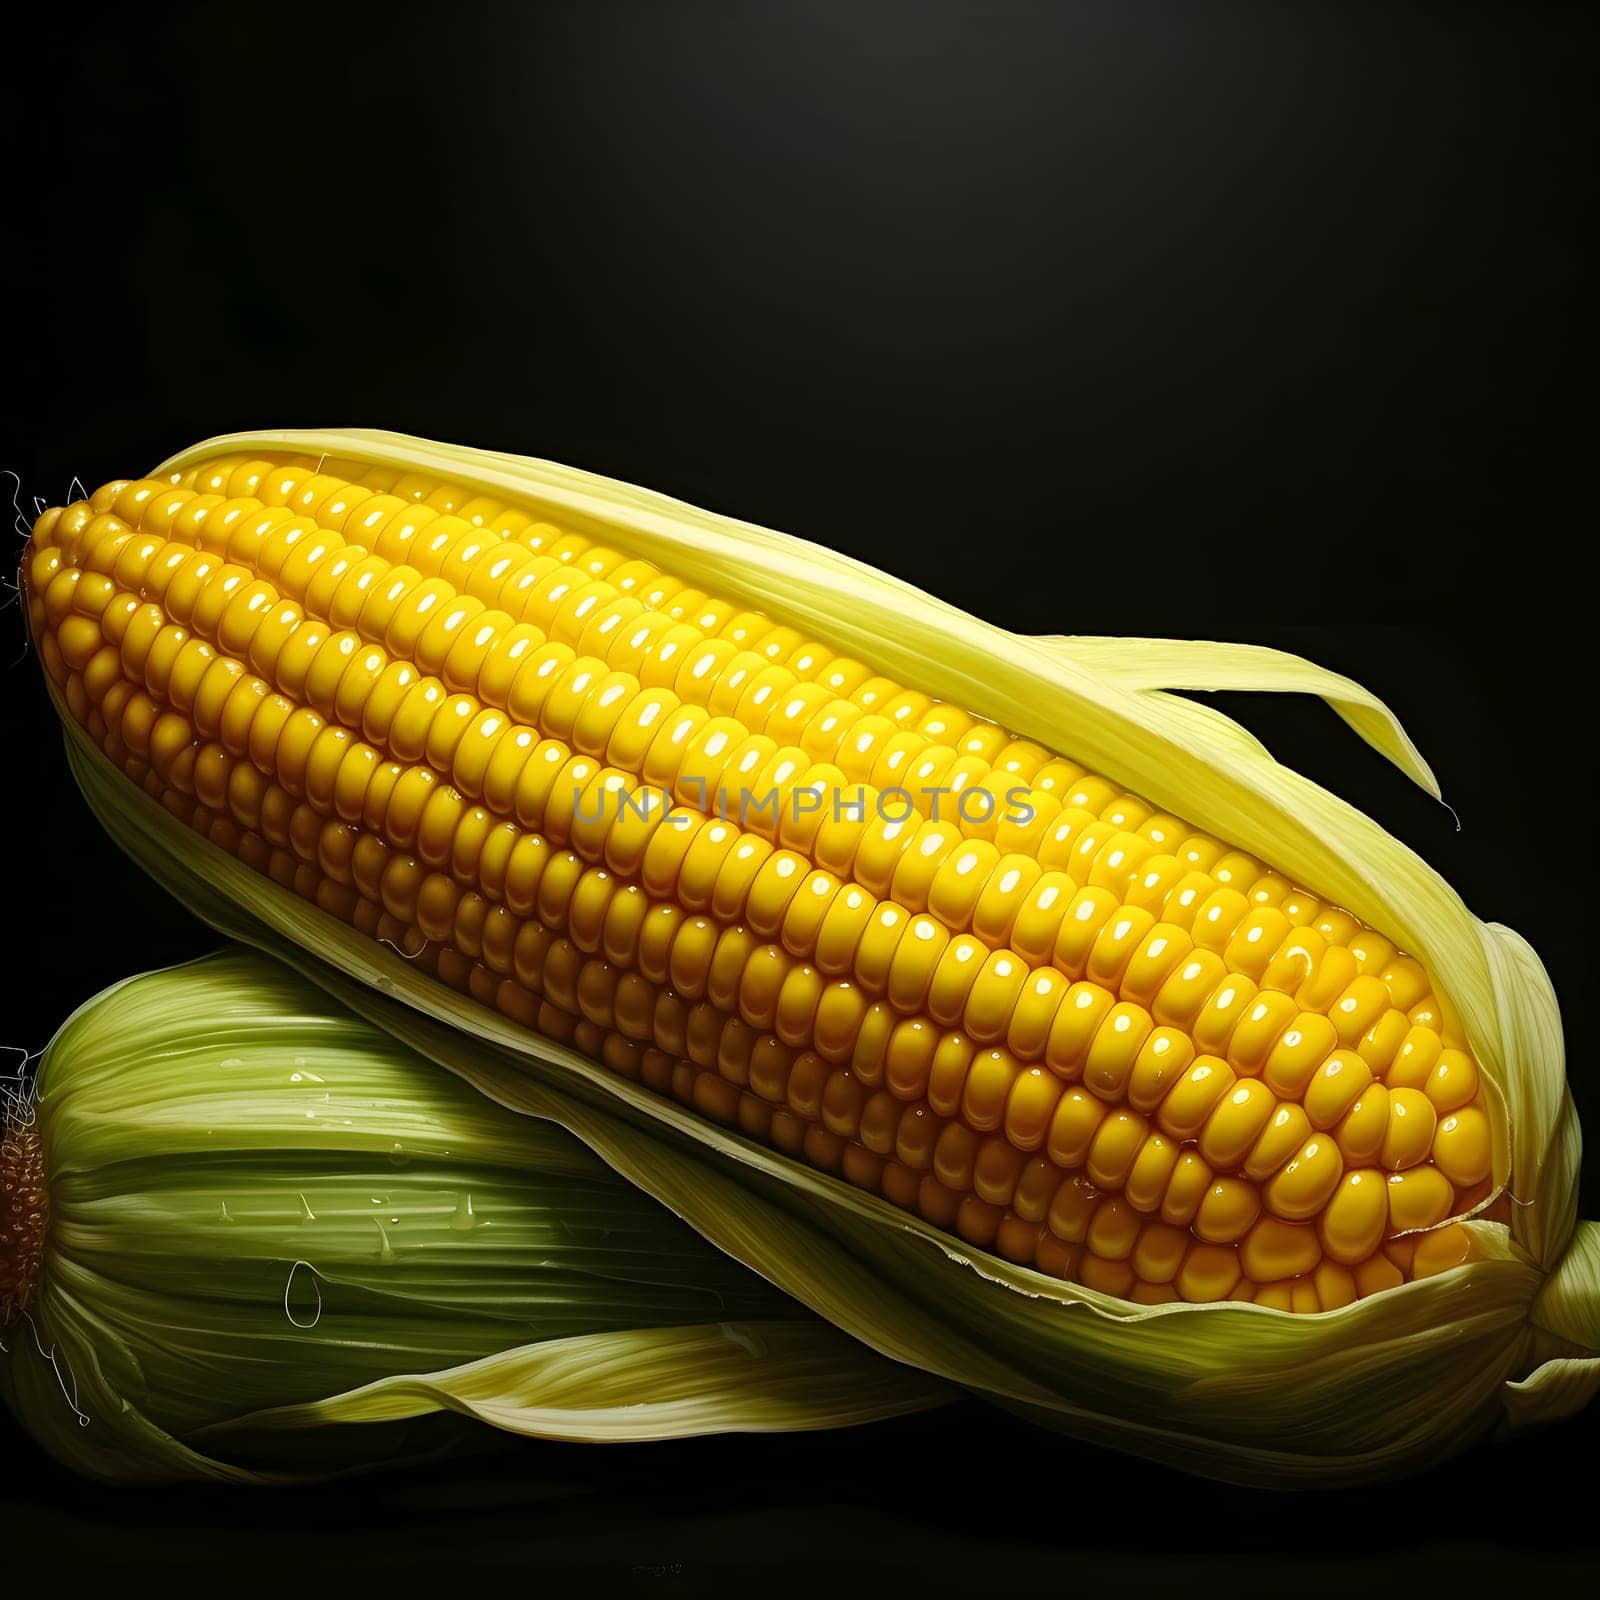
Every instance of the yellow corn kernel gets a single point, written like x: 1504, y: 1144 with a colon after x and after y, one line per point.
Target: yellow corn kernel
x: 1301, y: 1049
x: 1418, y: 1198
x: 1228, y: 1208
x: 1361, y: 1132
x: 1193, y: 1098
x: 1335, y: 1088
x: 1453, y: 1082
x: 1441, y: 1250
x: 1308, y: 1181
x: 1353, y: 1221
x: 1275, y: 1249
x: 1462, y: 1148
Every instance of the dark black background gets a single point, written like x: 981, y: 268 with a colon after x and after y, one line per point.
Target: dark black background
x: 1256, y: 321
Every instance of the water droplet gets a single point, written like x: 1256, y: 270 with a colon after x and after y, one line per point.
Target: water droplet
x: 302, y: 1305
x: 226, y: 1215
x: 746, y: 1339
x: 306, y: 1213
x: 232, y: 1061
x: 385, y: 1250
x: 398, y: 1156
x: 465, y: 1218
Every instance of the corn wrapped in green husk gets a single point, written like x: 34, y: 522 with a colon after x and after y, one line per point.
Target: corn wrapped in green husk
x: 245, y: 1234
x: 1245, y: 1392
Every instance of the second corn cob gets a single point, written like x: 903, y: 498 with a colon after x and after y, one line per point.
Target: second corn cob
x: 245, y: 1235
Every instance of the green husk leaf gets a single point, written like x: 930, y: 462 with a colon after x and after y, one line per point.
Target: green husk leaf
x: 1377, y: 1388
x: 635, y: 1383
x: 268, y: 1217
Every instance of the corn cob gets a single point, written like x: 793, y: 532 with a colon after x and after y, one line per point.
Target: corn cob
x: 239, y: 1220
x: 1017, y: 1000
